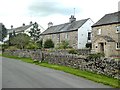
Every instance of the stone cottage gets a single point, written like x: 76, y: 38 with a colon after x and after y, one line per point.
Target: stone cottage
x: 106, y: 35
x: 77, y: 33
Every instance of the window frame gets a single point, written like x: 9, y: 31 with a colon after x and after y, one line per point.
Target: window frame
x: 118, y: 29
x: 118, y: 45
x: 99, y: 31
x: 66, y: 35
x: 89, y: 35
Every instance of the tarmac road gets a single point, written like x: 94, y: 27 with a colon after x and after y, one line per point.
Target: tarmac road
x: 18, y: 74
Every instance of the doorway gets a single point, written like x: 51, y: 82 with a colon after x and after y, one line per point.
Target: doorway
x: 101, y: 47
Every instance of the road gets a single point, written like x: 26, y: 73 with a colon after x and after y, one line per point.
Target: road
x: 18, y: 74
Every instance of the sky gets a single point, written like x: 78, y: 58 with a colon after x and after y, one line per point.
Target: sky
x: 17, y: 12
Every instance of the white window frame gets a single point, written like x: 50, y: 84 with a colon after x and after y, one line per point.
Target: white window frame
x: 66, y: 36
x: 99, y: 31
x: 118, y: 45
x: 117, y: 29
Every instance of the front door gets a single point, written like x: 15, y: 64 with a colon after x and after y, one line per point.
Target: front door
x: 102, y: 47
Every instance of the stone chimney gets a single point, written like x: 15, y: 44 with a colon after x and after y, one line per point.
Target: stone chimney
x: 72, y: 19
x: 50, y: 24
x: 23, y: 24
x: 31, y: 23
x: 11, y: 26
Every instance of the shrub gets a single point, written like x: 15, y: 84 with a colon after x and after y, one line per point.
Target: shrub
x: 63, y: 45
x: 48, y: 44
x: 40, y: 43
x: 12, y: 48
x: 72, y: 51
x: 31, y: 45
x: 88, y: 45
x: 95, y: 56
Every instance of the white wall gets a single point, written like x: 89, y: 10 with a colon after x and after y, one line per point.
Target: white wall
x: 83, y: 33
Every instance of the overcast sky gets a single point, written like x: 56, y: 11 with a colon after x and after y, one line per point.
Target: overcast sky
x: 17, y: 12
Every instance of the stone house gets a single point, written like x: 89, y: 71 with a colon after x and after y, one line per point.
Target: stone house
x: 77, y: 33
x: 106, y: 35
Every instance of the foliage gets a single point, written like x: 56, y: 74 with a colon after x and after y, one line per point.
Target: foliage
x: 20, y: 40
x: 3, y: 33
x: 88, y: 45
x: 95, y: 56
x: 31, y: 45
x: 72, y: 51
x: 63, y: 45
x: 48, y: 44
x: 40, y: 44
x: 4, y: 46
x: 35, y: 32
x: 12, y: 48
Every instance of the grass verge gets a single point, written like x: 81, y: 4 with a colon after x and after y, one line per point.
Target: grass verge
x: 86, y: 74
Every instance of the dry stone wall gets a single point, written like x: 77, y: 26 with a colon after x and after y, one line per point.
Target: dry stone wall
x: 105, y: 66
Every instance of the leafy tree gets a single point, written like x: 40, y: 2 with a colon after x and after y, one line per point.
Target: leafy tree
x: 48, y: 44
x: 35, y: 32
x: 20, y: 40
x: 3, y: 32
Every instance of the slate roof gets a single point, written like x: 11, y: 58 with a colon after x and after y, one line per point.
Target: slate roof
x: 66, y: 27
x: 19, y: 29
x: 108, y: 19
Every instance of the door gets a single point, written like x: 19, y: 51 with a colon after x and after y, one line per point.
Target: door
x: 102, y: 47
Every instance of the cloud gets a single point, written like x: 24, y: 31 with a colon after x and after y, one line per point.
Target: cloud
x: 47, y: 7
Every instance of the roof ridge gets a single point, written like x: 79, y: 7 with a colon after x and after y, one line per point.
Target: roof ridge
x: 69, y: 22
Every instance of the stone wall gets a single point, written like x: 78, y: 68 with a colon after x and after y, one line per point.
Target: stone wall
x: 103, y: 66
x: 71, y: 37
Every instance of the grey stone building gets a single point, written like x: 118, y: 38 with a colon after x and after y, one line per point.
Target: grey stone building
x: 106, y: 35
x: 77, y: 33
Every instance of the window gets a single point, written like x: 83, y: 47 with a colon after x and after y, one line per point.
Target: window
x: 89, y: 35
x: 117, y: 29
x: 118, y: 45
x: 52, y: 36
x: 66, y: 36
x: 58, y: 36
x: 99, y: 31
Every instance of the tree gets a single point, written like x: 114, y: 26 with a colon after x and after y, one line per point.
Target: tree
x: 3, y: 32
x: 48, y: 44
x: 35, y: 32
x: 20, y: 40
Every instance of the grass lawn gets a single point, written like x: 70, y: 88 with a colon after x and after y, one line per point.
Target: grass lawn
x: 86, y: 74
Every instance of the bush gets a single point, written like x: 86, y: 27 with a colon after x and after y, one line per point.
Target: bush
x: 48, y: 44
x: 31, y: 45
x: 63, y: 45
x: 40, y: 43
x: 88, y: 45
x: 72, y: 51
x: 12, y: 48
x: 95, y: 56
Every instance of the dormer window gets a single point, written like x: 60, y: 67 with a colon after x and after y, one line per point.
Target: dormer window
x: 117, y: 29
x: 99, y: 31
